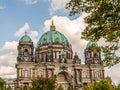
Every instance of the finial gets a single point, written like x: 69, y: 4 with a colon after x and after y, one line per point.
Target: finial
x: 52, y: 25
x: 25, y: 33
x: 52, y: 22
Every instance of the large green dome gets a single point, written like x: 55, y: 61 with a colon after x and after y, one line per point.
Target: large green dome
x: 25, y: 38
x: 52, y: 37
x: 91, y: 44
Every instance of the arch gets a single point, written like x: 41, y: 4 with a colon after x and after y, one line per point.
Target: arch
x: 44, y: 41
x: 25, y: 52
x: 64, y: 79
x: 26, y: 73
x: 57, y: 40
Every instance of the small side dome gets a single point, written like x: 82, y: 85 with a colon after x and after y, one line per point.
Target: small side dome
x: 91, y: 44
x: 25, y: 38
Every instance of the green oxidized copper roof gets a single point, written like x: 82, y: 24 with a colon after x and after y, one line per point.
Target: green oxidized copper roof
x: 51, y: 37
x: 91, y: 44
x: 25, y: 38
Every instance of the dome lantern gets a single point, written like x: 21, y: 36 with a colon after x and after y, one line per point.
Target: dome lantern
x: 52, y: 27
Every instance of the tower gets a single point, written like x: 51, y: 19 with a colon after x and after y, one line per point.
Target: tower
x: 93, y: 61
x: 25, y: 62
x: 25, y: 49
x: 92, y: 54
x: 76, y: 59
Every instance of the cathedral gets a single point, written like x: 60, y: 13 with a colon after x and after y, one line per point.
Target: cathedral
x: 53, y: 58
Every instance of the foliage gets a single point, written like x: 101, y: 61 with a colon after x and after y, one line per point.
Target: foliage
x: 118, y: 87
x: 28, y: 88
x: 70, y: 88
x: 43, y: 84
x: 60, y: 88
x: 102, y: 85
x: 9, y: 88
x: 20, y: 88
x: 103, y: 21
x: 2, y: 84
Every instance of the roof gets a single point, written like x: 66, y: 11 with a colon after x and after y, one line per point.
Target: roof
x: 52, y: 37
x: 91, y: 44
x: 25, y: 38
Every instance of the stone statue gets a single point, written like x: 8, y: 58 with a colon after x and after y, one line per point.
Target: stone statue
x: 63, y: 60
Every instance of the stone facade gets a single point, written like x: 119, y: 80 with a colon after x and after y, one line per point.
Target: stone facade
x: 55, y: 60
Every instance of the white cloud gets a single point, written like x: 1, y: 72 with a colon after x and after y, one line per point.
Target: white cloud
x: 2, y: 7
x: 7, y: 72
x: 9, y: 46
x: 57, y: 5
x: 8, y: 59
x: 114, y: 73
x: 26, y: 28
x: 22, y: 30
x: 33, y: 35
x: 30, y: 2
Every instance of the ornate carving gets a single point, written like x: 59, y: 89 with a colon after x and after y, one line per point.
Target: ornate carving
x: 63, y: 68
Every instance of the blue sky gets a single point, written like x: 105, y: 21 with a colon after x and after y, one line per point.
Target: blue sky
x: 34, y: 16
x: 17, y: 12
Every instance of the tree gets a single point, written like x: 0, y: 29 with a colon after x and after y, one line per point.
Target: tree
x: 118, y: 87
x: 9, y: 88
x: 101, y: 85
x: 2, y: 84
x: 20, y: 88
x: 60, y: 88
x: 103, y: 21
x: 69, y: 88
x: 28, y: 88
x: 43, y: 84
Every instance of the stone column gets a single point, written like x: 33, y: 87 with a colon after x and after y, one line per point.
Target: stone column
x: 20, y: 72
x: 103, y: 74
x: 75, y: 76
x: 80, y: 75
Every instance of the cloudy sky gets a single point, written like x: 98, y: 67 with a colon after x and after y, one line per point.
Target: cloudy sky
x: 34, y: 16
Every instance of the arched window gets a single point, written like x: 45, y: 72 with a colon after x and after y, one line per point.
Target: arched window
x: 44, y: 57
x: 88, y: 54
x: 53, y: 54
x: 57, y: 55
x: 63, y: 43
x: 39, y: 73
x: 25, y: 52
x: 57, y: 40
x: 26, y: 59
x: 26, y: 74
x: 40, y: 56
x: 44, y: 41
